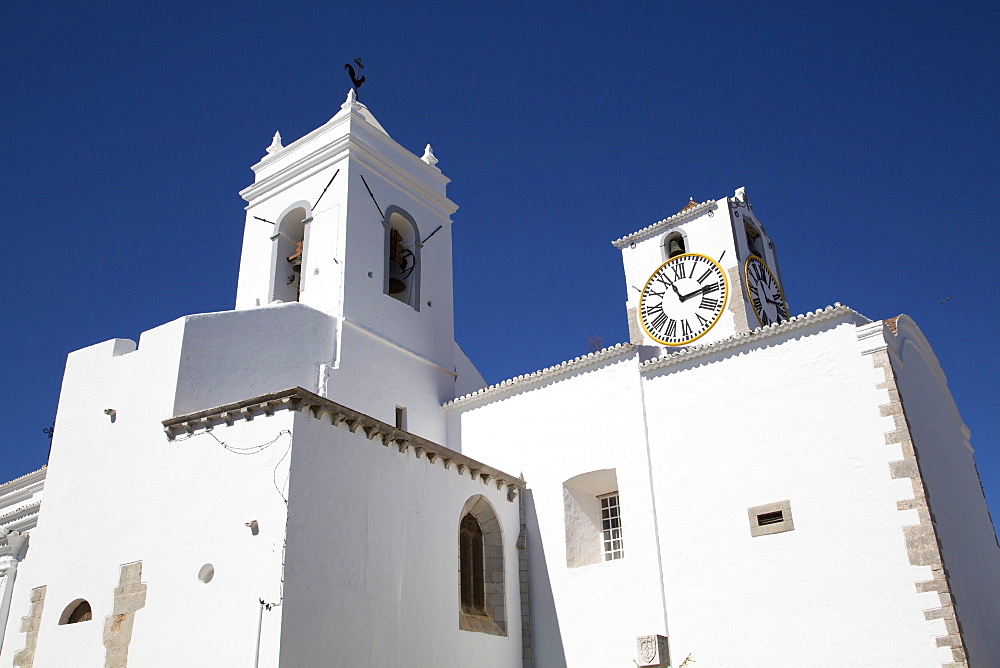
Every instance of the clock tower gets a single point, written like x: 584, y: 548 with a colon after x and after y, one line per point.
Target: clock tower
x: 703, y: 274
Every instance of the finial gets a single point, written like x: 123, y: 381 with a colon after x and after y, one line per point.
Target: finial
x: 741, y: 194
x: 428, y: 156
x: 351, y: 101
x: 275, y: 144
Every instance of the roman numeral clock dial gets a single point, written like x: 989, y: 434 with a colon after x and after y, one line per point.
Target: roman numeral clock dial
x: 765, y: 294
x: 683, y: 299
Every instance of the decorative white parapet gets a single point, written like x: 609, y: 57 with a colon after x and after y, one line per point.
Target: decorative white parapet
x: 428, y: 156
x: 275, y: 144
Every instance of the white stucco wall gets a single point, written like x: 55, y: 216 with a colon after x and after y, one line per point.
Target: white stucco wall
x: 792, y: 414
x: 118, y: 492
x: 955, y: 495
x: 232, y: 355
x: 576, y: 423
x: 793, y: 417
x: 372, y: 566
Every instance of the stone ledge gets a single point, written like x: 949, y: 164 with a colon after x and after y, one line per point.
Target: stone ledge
x: 303, y: 401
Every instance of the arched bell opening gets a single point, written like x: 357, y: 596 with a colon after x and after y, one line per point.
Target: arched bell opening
x: 402, y: 257
x: 674, y: 244
x: 755, y: 244
x: 288, y: 253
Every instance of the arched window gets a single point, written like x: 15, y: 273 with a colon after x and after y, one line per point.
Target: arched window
x: 473, y: 593
x: 481, y: 592
x: 674, y: 244
x: 402, y: 257
x: 77, y: 611
x: 288, y: 249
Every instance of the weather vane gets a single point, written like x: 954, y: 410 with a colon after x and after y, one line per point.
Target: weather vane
x: 355, y: 80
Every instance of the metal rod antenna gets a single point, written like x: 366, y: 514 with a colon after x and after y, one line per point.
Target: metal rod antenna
x: 373, y: 196
x: 264, y: 219
x: 430, y: 235
x: 324, y: 190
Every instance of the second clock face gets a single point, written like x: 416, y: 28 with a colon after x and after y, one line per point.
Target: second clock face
x: 683, y: 299
x: 765, y: 294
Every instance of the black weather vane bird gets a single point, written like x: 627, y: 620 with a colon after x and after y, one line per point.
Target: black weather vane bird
x: 354, y: 78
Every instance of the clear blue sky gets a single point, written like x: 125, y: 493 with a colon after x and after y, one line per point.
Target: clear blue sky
x: 865, y: 133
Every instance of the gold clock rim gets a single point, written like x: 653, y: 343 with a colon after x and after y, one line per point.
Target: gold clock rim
x: 746, y: 287
x: 725, y: 300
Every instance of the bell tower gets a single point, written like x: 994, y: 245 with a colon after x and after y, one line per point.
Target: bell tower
x: 703, y: 274
x: 349, y: 222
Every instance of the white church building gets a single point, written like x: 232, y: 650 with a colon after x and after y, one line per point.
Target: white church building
x: 321, y: 477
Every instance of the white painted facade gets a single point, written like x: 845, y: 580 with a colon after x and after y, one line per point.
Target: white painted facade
x: 292, y: 475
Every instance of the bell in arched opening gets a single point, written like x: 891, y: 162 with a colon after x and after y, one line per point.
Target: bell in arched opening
x: 676, y: 247
x: 400, y: 263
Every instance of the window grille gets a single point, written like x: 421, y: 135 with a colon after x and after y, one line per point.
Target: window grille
x: 611, y: 525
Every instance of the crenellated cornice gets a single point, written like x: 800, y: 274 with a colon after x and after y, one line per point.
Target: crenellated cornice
x: 679, y: 217
x: 739, y: 340
x: 337, y: 415
x: 548, y: 373
x: 33, y: 479
x: 22, y: 519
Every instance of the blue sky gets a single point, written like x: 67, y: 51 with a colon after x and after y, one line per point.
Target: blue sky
x: 865, y: 133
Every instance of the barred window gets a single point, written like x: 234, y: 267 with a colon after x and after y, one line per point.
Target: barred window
x: 611, y: 526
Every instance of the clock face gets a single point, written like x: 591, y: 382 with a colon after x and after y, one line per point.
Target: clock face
x: 683, y: 299
x: 765, y: 294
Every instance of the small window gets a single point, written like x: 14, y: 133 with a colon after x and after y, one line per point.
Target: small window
x: 401, y: 417
x: 77, y: 611
x: 593, y: 517
x: 611, y: 526
x: 770, y: 518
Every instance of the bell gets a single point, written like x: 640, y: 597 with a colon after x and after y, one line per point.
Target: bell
x: 295, y: 259
x: 396, y: 284
x: 676, y: 247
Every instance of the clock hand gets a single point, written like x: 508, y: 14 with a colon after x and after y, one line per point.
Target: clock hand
x: 676, y: 291
x: 700, y: 290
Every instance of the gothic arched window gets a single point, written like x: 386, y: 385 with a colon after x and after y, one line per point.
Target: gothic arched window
x: 402, y: 257
x: 481, y: 592
x: 473, y: 592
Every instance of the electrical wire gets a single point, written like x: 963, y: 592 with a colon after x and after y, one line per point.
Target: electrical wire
x: 254, y: 450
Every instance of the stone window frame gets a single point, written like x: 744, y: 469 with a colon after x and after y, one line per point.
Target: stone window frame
x: 785, y: 524
x: 493, y: 621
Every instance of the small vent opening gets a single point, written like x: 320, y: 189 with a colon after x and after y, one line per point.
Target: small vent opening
x: 770, y: 518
